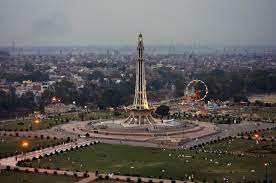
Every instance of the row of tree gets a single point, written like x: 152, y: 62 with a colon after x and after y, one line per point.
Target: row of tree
x: 237, y: 85
x: 222, y: 85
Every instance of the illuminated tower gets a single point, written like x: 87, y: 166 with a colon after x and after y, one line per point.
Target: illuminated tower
x: 140, y: 112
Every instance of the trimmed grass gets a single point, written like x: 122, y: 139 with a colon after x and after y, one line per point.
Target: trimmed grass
x: 269, y: 133
x: 10, y: 144
x: 96, y: 115
x: 261, y: 112
x: 247, y: 147
x: 107, y: 181
x: 166, y: 163
x: 28, y: 124
x: 12, y: 176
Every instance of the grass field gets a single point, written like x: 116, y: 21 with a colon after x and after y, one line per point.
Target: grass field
x: 12, y: 144
x: 107, y: 181
x: 269, y: 133
x: 167, y: 163
x: 28, y: 124
x: 96, y: 115
x: 247, y: 147
x: 266, y: 113
x: 20, y: 177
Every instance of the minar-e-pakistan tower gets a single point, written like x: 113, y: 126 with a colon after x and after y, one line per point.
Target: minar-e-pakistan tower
x: 140, y: 112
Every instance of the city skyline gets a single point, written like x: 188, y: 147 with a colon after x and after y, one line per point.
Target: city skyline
x: 211, y: 22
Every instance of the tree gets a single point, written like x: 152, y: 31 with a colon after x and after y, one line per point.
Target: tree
x: 163, y: 110
x: 96, y: 75
x: 27, y: 100
x: 28, y: 67
x: 82, y: 115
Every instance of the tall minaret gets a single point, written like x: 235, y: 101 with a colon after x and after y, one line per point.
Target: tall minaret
x: 140, y: 112
x: 140, y: 98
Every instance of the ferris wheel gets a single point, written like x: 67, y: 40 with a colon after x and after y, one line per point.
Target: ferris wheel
x: 196, y: 90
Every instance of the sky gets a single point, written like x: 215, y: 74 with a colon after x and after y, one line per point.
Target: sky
x: 118, y: 22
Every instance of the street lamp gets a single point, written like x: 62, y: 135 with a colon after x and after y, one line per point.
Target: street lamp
x: 24, y: 145
x: 37, y: 121
x: 257, y: 138
x: 266, y: 166
x: 54, y: 99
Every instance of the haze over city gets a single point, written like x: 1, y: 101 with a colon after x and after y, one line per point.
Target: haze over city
x: 105, y: 22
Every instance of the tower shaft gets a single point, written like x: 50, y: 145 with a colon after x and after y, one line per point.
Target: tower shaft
x: 140, y: 98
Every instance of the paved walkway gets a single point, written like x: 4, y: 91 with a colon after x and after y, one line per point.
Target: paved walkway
x: 91, y: 178
x: 12, y: 161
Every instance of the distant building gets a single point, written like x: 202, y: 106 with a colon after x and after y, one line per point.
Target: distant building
x: 59, y: 108
x: 4, y: 54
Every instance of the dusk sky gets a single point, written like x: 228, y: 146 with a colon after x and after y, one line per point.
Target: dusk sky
x: 118, y: 22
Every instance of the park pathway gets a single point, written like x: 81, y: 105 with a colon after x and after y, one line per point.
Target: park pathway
x: 12, y: 161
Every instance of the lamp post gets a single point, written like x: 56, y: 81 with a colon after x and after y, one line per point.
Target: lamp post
x: 37, y: 121
x: 54, y: 100
x: 266, y: 166
x: 257, y: 138
x: 24, y: 145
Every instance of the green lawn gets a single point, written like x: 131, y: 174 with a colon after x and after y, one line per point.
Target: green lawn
x: 12, y: 144
x: 107, y: 181
x: 166, y: 163
x: 20, y: 177
x: 247, y: 147
x: 28, y: 124
x: 261, y: 112
x: 271, y: 133
x: 96, y: 115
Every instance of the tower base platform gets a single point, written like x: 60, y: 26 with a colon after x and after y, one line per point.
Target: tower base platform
x: 141, y: 117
